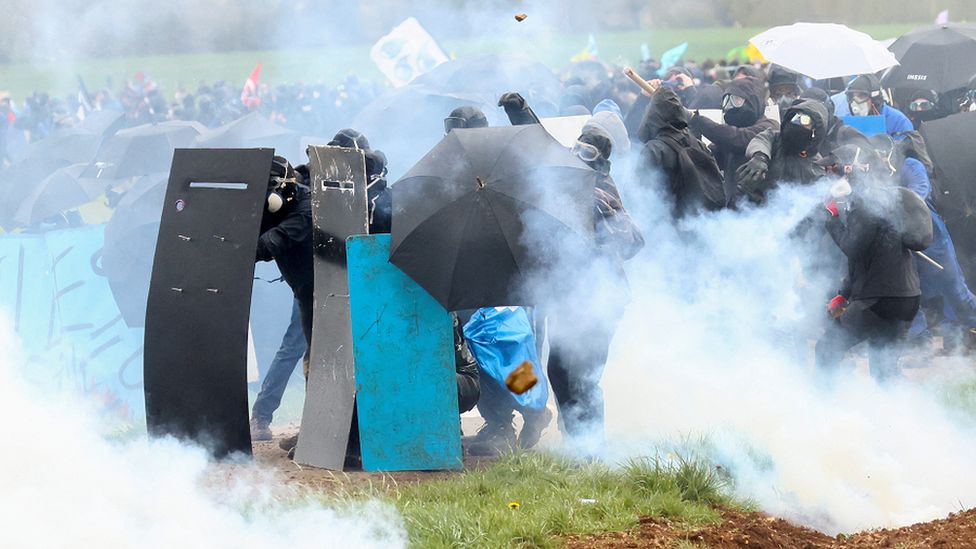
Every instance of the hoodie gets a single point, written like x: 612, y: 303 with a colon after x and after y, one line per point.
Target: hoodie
x: 729, y: 142
x: 787, y: 163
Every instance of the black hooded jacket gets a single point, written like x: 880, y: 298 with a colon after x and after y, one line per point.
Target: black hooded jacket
x: 286, y: 238
x: 664, y: 126
x: 729, y: 142
x: 879, y: 265
x: 791, y: 164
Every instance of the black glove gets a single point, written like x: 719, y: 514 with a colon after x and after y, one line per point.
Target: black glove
x: 753, y: 171
x: 512, y: 100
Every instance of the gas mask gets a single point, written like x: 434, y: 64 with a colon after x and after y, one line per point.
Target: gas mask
x: 282, y: 191
x: 860, y: 105
x: 736, y: 113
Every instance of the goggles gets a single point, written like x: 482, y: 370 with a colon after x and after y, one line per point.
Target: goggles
x: 921, y: 105
x: 453, y: 123
x: 801, y: 119
x: 585, y: 151
x: 733, y: 102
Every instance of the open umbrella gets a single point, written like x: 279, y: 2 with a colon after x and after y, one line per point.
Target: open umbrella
x: 254, y: 130
x: 485, y: 209
x: 936, y: 57
x: 130, y: 243
x: 142, y: 150
x: 949, y: 142
x: 63, y: 190
x: 823, y: 50
x: 495, y: 75
x: 408, y: 121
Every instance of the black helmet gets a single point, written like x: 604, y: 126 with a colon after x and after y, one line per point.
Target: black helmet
x: 866, y: 83
x: 465, y: 117
x: 350, y: 139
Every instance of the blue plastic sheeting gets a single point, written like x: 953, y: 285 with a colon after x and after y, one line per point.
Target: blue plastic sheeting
x: 501, y: 339
x: 406, y: 385
x: 67, y: 321
x: 868, y: 125
x: 70, y: 328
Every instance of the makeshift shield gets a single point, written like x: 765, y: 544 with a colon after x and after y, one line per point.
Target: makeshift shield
x: 338, y: 211
x: 195, y: 365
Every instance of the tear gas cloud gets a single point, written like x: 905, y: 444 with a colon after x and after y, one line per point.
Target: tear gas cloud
x: 714, y: 356
x: 65, y: 486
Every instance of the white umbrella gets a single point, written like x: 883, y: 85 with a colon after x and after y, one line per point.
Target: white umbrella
x: 823, y: 50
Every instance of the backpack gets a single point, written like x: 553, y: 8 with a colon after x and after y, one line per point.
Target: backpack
x: 913, y: 146
x: 915, y: 222
x: 699, y: 171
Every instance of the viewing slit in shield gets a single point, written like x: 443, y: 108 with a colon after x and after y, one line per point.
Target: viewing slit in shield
x: 338, y: 211
x: 195, y: 361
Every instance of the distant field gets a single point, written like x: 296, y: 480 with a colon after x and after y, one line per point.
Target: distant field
x: 331, y: 65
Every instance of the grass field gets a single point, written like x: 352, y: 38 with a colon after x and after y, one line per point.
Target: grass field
x: 531, y: 499
x: 333, y: 64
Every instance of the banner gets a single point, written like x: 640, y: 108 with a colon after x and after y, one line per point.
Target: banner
x: 406, y: 52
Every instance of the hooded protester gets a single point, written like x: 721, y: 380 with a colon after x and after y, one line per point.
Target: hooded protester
x: 922, y: 106
x: 784, y: 87
x: 785, y: 156
x: 692, y: 183
x: 880, y: 296
x: 606, y: 117
x: 838, y: 133
x: 378, y: 196
x: 350, y: 139
x: 864, y: 98
x: 286, y: 236
x: 744, y: 112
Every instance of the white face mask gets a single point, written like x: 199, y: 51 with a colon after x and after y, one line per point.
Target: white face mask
x: 861, y: 109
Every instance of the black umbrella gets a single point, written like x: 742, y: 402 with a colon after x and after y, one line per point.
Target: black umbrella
x: 142, y: 150
x: 485, y: 210
x: 949, y: 142
x: 74, y: 144
x: 494, y: 75
x: 253, y: 130
x: 938, y: 57
x: 407, y: 122
x: 62, y: 190
x: 130, y: 243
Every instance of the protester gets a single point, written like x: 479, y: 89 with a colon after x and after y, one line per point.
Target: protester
x: 290, y: 352
x: 691, y: 184
x: 743, y: 109
x: 864, y: 97
x: 880, y: 296
x: 785, y: 156
x: 923, y: 105
x: 694, y: 96
x: 784, y: 87
x: 838, y: 133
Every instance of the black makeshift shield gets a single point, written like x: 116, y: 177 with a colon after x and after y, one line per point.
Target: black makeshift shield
x: 195, y: 362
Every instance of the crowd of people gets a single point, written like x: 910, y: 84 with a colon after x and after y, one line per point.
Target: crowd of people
x: 890, y: 246
x: 776, y: 129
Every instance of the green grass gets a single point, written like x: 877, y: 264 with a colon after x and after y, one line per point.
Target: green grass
x: 332, y: 64
x: 555, y: 497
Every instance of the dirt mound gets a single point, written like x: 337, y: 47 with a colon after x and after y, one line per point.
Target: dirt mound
x: 758, y: 531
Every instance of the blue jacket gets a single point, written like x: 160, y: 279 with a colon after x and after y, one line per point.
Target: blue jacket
x: 914, y: 178
x: 895, y: 121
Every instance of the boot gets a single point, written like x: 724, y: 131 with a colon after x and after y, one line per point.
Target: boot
x: 260, y: 430
x: 534, y: 423
x: 492, y: 439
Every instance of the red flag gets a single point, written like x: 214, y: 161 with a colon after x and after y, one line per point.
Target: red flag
x: 249, y: 95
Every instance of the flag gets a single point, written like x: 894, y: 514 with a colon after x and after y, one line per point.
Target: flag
x: 249, y: 95
x: 942, y: 18
x: 589, y: 53
x: 671, y: 57
x: 84, y: 100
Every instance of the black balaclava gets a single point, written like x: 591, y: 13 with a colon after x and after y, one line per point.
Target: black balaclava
x: 603, y: 142
x: 750, y: 89
x: 919, y: 116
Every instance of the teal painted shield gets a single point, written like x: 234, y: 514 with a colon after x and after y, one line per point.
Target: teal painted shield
x: 403, y: 345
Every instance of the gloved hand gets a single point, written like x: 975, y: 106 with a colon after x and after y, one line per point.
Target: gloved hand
x: 753, y: 171
x: 512, y: 100
x: 837, y: 306
x: 831, y: 207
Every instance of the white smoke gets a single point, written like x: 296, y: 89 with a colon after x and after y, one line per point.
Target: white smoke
x: 64, y: 486
x: 717, y: 342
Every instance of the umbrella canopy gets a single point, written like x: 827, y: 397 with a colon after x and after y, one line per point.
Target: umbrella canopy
x: 142, y: 150
x: 485, y: 209
x: 62, y: 190
x: 74, y: 144
x: 823, y: 50
x: 937, y: 57
x: 130, y: 243
x: 407, y: 122
x: 254, y: 130
x: 495, y: 75
x: 949, y: 142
